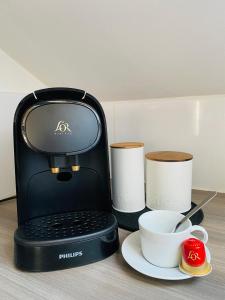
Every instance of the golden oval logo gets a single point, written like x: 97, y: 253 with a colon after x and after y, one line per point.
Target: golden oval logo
x: 62, y: 128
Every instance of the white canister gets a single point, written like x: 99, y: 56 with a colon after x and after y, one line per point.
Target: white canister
x: 169, y: 180
x: 127, y: 166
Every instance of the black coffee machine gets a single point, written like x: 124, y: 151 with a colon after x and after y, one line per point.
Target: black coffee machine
x: 62, y: 180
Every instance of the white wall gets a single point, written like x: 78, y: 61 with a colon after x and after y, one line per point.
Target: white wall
x: 120, y: 50
x: 8, y: 102
x: 15, y: 82
x: 191, y: 124
x: 14, y: 78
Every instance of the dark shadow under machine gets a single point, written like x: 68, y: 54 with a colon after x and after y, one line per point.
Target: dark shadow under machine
x: 62, y: 179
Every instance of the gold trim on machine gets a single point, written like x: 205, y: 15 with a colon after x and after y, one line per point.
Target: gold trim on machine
x: 75, y: 168
x: 55, y: 170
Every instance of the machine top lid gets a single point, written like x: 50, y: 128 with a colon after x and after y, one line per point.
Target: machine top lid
x: 61, y: 127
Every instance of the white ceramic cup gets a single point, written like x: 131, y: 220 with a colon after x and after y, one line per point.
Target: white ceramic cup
x: 159, y: 246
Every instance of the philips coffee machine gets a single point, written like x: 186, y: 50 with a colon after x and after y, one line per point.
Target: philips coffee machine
x: 63, y: 183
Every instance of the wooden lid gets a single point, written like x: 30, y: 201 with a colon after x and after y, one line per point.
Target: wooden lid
x: 171, y: 156
x: 127, y: 145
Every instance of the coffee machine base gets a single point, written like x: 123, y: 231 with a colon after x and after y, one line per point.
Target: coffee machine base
x: 65, y: 240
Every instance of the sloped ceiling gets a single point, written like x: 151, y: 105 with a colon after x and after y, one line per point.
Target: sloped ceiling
x: 119, y: 49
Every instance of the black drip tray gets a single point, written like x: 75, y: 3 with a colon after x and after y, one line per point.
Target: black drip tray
x: 129, y: 221
x: 66, y: 225
x: 65, y: 240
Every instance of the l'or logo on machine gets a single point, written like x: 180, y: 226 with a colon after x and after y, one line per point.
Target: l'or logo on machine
x: 62, y: 128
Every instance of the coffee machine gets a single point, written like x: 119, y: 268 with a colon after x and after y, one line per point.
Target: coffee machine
x: 62, y: 181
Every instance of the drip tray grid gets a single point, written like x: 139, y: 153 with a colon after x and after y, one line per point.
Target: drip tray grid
x: 65, y: 225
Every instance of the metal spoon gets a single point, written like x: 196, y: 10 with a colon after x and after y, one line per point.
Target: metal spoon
x: 193, y: 211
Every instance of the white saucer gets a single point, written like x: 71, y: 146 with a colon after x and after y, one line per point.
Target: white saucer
x: 131, y: 251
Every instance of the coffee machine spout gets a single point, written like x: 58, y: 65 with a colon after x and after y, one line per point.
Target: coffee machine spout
x: 55, y: 170
x: 74, y: 161
x: 54, y: 164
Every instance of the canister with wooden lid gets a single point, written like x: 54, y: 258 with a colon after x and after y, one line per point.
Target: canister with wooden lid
x: 169, y: 180
x: 127, y: 166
